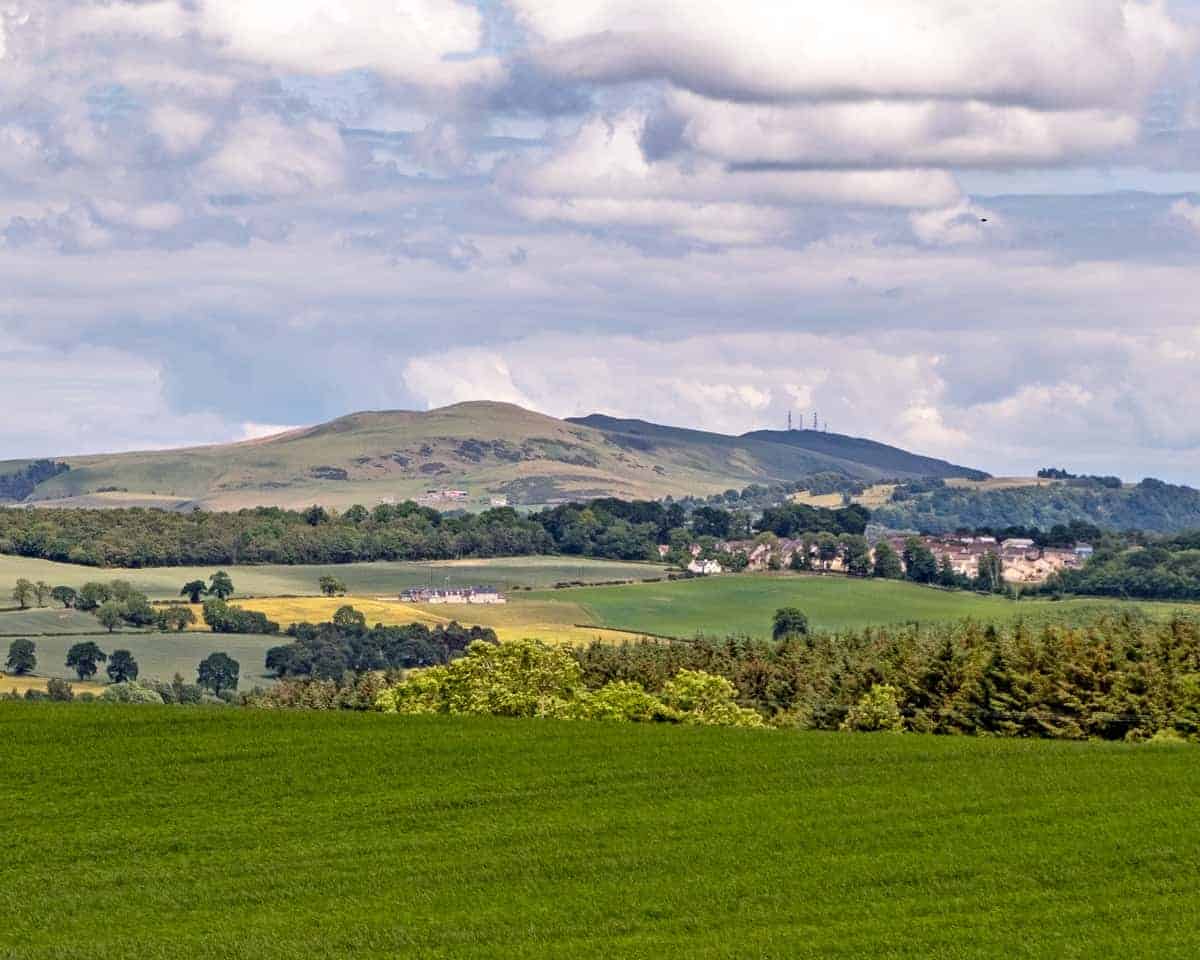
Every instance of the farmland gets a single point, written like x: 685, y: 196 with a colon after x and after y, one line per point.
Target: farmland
x: 417, y: 837
x: 367, y: 579
x: 744, y: 604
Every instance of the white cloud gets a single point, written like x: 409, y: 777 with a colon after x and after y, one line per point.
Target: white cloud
x: 881, y: 133
x: 602, y: 176
x: 179, y: 128
x: 1057, y: 53
x: 1186, y: 212
x: 410, y: 40
x: 263, y: 155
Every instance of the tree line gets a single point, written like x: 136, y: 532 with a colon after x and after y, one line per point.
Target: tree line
x: 606, y: 528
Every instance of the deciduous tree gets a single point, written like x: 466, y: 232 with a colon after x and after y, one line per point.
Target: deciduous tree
x: 22, y: 657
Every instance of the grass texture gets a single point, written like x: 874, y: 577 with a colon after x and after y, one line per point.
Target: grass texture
x: 220, y: 833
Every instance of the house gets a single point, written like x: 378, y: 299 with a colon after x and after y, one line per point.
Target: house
x: 704, y: 567
x: 487, y: 595
x: 664, y: 550
x: 1084, y: 551
x: 498, y: 501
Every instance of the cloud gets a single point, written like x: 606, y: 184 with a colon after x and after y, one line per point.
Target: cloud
x: 415, y: 41
x: 897, y: 133
x: 1082, y: 53
x: 263, y: 155
x: 601, y: 175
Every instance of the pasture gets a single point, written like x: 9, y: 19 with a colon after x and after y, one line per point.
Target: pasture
x: 745, y: 604
x: 365, y: 579
x: 159, y: 655
x: 222, y: 833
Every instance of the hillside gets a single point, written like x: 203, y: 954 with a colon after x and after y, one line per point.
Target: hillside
x: 487, y: 449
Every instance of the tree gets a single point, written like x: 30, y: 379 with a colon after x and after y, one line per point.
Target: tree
x: 856, y: 555
x: 220, y: 586
x: 989, y: 573
x: 217, y: 672
x: 111, y: 615
x: 22, y: 657
x: 23, y: 593
x: 789, y: 622
x: 174, y: 618
x: 194, y: 590
x: 947, y: 575
x: 122, y: 667
x: 357, y: 514
x: 887, y: 562
x: 64, y: 595
x: 92, y: 595
x: 332, y: 586
x: 41, y: 590
x: 877, y: 710
x: 316, y: 515
x: 349, y: 619
x: 920, y: 566
x: 84, y: 658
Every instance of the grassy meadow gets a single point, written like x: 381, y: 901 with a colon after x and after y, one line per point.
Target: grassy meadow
x: 159, y: 655
x: 365, y: 579
x: 745, y: 604
x: 216, y: 833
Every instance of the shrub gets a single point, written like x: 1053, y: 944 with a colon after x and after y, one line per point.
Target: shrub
x: 59, y: 690
x: 877, y: 710
x: 131, y: 692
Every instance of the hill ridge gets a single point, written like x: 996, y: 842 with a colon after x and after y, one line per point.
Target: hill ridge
x: 491, y: 451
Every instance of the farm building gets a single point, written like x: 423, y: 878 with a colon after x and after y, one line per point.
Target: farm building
x: 483, y: 595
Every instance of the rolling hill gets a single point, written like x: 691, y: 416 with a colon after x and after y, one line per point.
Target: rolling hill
x: 486, y: 449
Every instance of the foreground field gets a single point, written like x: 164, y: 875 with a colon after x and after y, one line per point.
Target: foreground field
x: 342, y: 835
x: 368, y: 579
x: 744, y: 605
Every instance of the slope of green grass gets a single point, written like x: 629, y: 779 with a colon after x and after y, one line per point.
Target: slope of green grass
x: 39, y: 620
x: 219, y: 833
x: 159, y: 655
x: 163, y: 583
x: 745, y: 604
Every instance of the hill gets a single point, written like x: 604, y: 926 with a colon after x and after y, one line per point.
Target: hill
x: 1150, y: 505
x: 486, y: 449
x: 343, y: 834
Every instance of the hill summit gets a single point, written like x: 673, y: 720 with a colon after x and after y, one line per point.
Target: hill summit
x: 467, y: 454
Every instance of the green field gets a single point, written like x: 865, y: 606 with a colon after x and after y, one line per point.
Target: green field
x: 220, y: 833
x: 159, y: 655
x: 744, y: 605
x: 37, y: 621
x: 163, y: 583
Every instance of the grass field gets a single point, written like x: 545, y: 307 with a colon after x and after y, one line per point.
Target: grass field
x: 159, y: 655
x: 215, y: 833
x: 745, y: 604
x: 51, y: 619
x: 367, y: 579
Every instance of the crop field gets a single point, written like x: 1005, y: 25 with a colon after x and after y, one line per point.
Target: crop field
x: 367, y: 579
x: 550, y: 619
x: 744, y: 605
x: 10, y: 684
x: 221, y: 833
x: 42, y: 620
x: 159, y: 655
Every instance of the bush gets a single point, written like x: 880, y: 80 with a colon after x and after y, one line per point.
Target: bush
x: 131, y: 692
x: 59, y: 690
x: 877, y: 710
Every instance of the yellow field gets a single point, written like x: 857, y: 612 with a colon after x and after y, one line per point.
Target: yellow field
x: 551, y: 620
x: 1001, y: 483
x: 830, y: 501
x: 21, y: 684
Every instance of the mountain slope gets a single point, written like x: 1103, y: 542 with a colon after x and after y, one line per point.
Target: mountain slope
x: 486, y: 449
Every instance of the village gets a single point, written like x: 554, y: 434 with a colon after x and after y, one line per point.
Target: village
x: 1022, y: 561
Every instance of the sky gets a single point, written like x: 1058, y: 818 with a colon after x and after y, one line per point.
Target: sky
x: 968, y: 228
